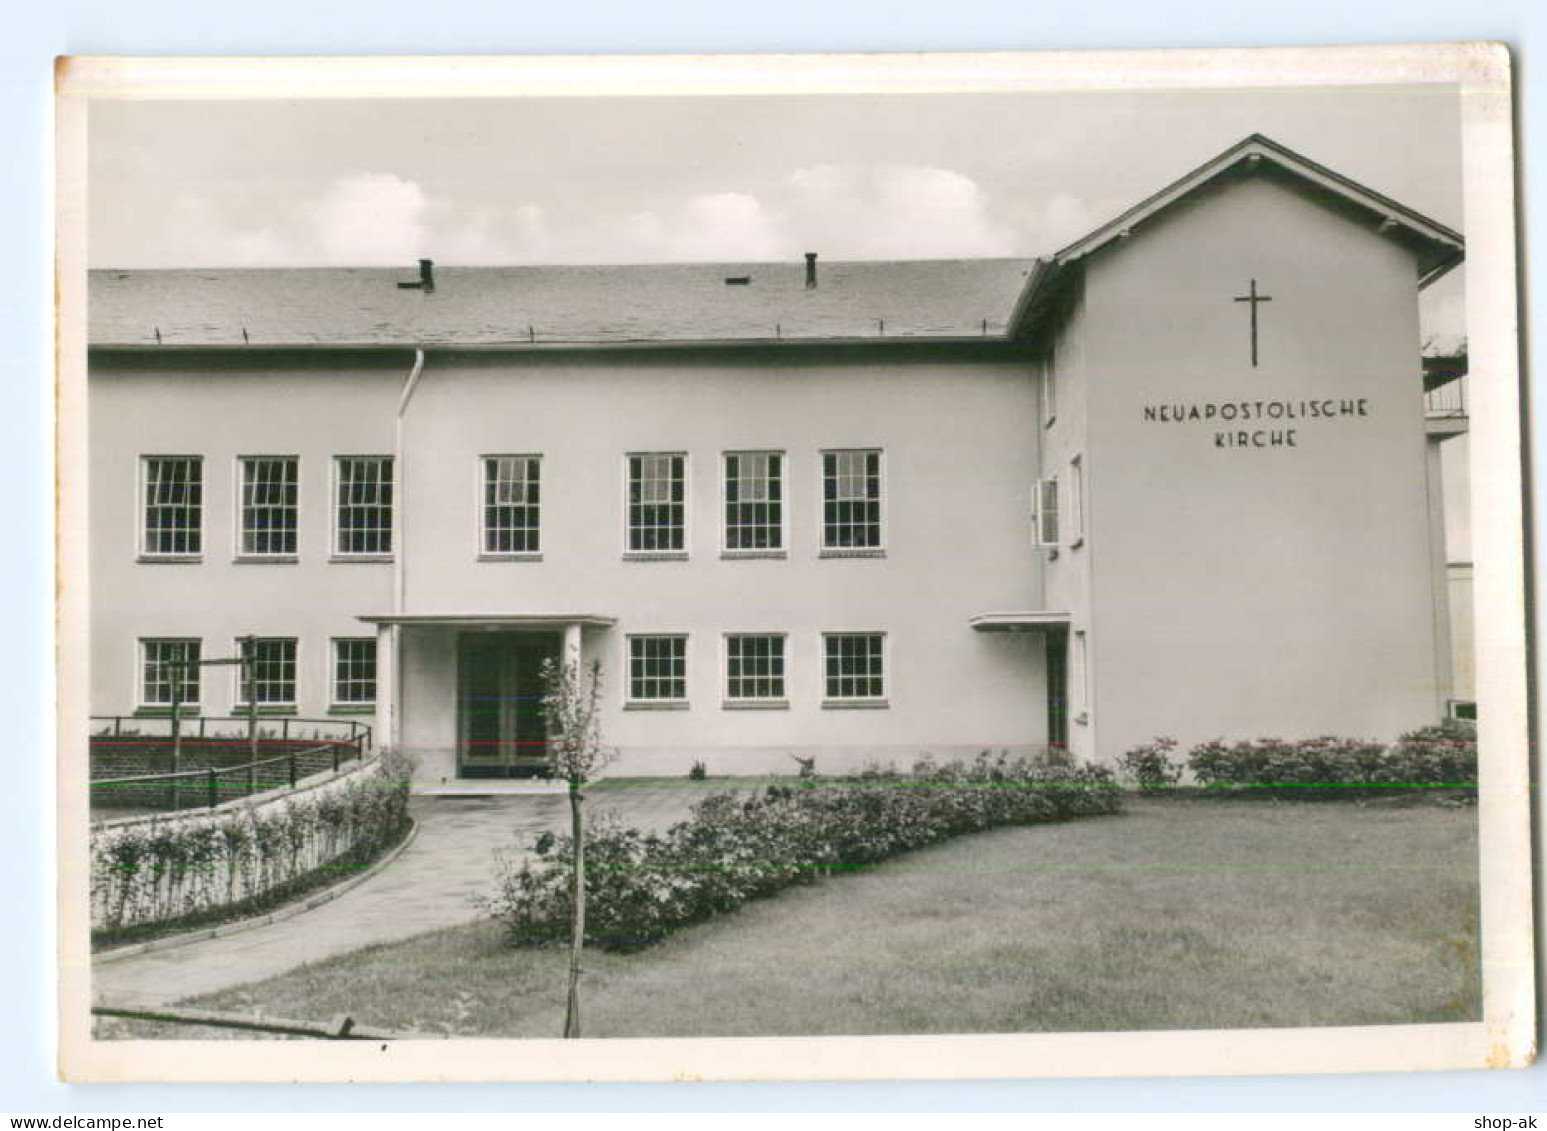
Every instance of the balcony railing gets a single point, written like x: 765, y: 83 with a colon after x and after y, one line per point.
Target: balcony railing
x: 1447, y: 400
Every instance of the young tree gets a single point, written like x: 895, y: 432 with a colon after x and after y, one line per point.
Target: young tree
x: 571, y: 696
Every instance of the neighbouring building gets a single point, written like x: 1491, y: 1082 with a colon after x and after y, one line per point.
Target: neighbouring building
x: 1178, y: 478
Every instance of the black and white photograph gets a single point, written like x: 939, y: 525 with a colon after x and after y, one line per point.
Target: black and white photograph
x: 597, y: 568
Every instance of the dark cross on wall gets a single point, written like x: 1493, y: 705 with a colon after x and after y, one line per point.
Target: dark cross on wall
x: 1254, y: 298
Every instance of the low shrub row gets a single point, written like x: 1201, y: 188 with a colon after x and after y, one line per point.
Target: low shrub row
x: 1435, y: 757
x: 735, y: 847
x: 187, y: 870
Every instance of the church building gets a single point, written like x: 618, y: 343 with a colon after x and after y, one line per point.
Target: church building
x: 1176, y: 479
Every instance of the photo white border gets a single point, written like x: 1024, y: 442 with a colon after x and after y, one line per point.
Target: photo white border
x: 1505, y: 1036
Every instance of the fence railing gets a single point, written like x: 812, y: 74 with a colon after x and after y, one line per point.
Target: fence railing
x: 203, y: 726
x: 214, y: 785
x: 1448, y: 399
x: 203, y: 768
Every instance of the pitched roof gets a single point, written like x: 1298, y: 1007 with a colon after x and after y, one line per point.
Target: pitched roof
x: 487, y: 306
x: 916, y: 300
x: 1435, y: 247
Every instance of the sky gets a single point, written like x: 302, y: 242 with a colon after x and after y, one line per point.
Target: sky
x: 734, y: 179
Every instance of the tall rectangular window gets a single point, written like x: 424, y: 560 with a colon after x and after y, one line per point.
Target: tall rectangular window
x: 754, y: 667
x: 754, y: 501
x: 854, y: 665
x: 1045, y: 511
x: 362, y: 505
x: 174, y: 505
x: 1080, y: 678
x: 169, y: 672
x: 512, y: 504
x: 851, y: 500
x: 270, y: 494
x: 657, y: 503
x: 1076, y: 500
x: 658, y: 669
x: 1049, y: 386
x: 354, y: 672
x: 273, y: 672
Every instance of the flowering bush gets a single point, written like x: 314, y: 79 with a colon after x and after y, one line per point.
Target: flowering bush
x: 150, y: 877
x: 1151, y: 767
x: 734, y: 847
x: 1444, y: 755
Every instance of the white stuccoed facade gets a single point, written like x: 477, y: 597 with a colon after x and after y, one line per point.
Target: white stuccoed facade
x: 1279, y: 570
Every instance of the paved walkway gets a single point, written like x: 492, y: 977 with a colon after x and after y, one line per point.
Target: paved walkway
x: 433, y: 884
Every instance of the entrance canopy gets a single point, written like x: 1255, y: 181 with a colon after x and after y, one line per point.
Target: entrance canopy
x: 1018, y: 622
x: 493, y: 620
x: 498, y: 660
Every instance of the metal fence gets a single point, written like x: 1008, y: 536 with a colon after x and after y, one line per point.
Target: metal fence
x: 218, y: 780
x: 1448, y: 399
x: 217, y: 726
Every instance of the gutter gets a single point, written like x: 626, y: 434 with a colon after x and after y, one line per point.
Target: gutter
x: 598, y: 345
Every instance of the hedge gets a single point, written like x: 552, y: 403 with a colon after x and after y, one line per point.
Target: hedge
x: 734, y: 847
x: 1434, y: 757
x: 153, y: 876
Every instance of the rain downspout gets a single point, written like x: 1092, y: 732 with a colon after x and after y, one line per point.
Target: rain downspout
x: 399, y: 565
x: 392, y: 632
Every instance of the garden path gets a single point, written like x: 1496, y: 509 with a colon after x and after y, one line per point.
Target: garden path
x: 433, y: 884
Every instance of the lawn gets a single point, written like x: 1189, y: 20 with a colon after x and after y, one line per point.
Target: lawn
x: 1178, y: 914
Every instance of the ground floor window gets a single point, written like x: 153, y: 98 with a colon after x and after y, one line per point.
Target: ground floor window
x: 754, y: 667
x: 658, y: 669
x: 1079, y: 679
x: 854, y: 666
x: 169, y: 672
x: 354, y: 672
x: 273, y: 672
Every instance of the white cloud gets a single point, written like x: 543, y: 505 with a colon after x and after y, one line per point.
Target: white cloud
x: 199, y: 225
x: 843, y: 211
x: 370, y: 219
x: 893, y: 211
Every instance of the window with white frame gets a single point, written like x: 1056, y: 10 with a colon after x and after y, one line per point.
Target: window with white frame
x: 169, y: 672
x: 272, y: 660
x: 362, y: 505
x: 1077, y: 500
x: 657, y: 503
x: 269, y: 505
x: 754, y: 501
x: 354, y: 672
x: 851, y: 499
x: 1049, y: 386
x: 854, y: 666
x: 174, y: 505
x: 754, y: 667
x: 512, y: 504
x: 658, y: 669
x: 1080, y: 679
x: 1044, y: 501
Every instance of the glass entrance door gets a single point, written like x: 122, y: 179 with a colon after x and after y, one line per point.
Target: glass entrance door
x: 1058, y: 689
x: 501, y: 732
